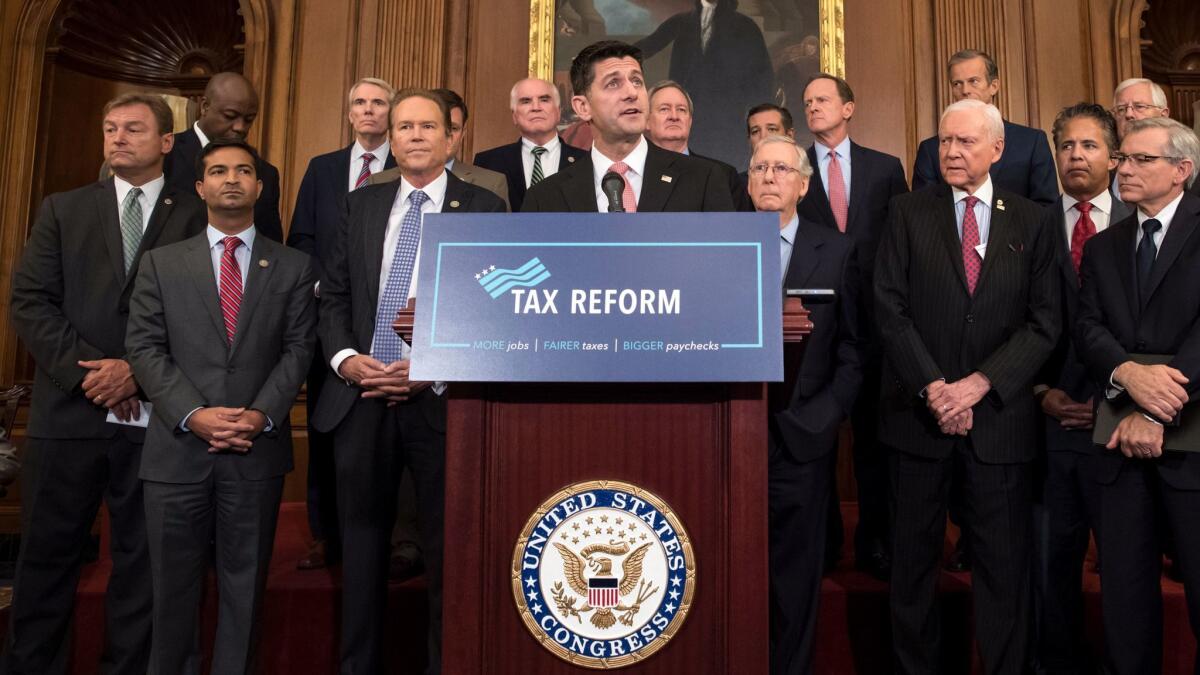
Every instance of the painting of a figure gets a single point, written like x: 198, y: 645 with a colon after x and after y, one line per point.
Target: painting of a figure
x: 728, y: 54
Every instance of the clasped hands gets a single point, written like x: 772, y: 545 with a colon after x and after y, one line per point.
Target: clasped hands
x: 1156, y: 389
x: 951, y: 402
x: 109, y: 383
x: 230, y: 429
x: 378, y: 380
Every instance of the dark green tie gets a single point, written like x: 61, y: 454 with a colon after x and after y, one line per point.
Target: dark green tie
x: 131, y: 226
x: 537, y: 176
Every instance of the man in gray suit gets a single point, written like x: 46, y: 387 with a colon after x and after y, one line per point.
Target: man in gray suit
x: 221, y: 333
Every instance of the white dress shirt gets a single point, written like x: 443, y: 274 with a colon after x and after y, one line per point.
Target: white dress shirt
x: 1101, y: 213
x: 549, y: 160
x: 356, y: 154
x: 843, y: 154
x: 149, y: 197
x: 200, y: 134
x: 1164, y: 216
x: 983, y: 212
x: 636, y: 161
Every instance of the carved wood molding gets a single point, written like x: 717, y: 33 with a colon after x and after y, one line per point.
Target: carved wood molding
x: 410, y: 42
x: 983, y: 25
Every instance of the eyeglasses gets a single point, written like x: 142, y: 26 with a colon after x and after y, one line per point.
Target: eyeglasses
x: 779, y: 169
x: 1139, y: 107
x: 1140, y: 159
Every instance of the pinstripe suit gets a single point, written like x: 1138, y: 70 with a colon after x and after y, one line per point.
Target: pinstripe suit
x: 935, y: 330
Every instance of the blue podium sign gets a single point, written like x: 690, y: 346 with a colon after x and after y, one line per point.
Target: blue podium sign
x: 638, y: 297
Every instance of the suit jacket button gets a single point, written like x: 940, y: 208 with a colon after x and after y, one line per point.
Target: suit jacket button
x: 970, y: 318
x: 230, y: 370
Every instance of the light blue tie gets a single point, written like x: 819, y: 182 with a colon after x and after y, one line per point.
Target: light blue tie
x: 394, y: 296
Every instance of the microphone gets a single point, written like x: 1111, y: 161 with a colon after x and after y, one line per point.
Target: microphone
x: 614, y: 186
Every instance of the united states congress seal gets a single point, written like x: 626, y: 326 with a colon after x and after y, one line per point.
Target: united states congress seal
x: 603, y: 574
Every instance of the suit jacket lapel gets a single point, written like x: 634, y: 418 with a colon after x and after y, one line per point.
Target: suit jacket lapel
x: 578, y: 188
x: 658, y: 180
x: 1062, y: 249
x: 257, y: 278
x: 999, y: 237
x: 374, y: 234
x: 1123, y: 246
x: 199, y: 262
x: 110, y: 225
x: 858, y: 184
x: 1182, y: 227
x: 816, y: 189
x: 947, y: 224
x: 458, y: 198
x: 158, y: 221
x: 341, y: 169
x: 805, y: 258
x: 514, y: 169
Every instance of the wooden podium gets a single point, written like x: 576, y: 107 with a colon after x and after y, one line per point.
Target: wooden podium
x: 700, y: 447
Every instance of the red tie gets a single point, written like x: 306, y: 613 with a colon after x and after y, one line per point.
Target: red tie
x: 970, y: 239
x: 363, y: 175
x: 627, y: 198
x: 231, y: 287
x: 1084, y: 229
x: 837, y: 192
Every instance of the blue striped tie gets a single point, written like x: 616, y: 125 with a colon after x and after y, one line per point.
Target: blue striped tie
x: 394, y: 297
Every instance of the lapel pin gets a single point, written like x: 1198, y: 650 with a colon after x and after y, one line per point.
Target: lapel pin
x: 167, y: 201
x: 454, y: 204
x: 263, y: 263
x: 999, y: 204
x: 665, y: 178
x: 570, y: 160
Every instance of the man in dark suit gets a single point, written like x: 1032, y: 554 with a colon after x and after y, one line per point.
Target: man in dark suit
x: 227, y: 110
x: 1068, y: 499
x: 850, y: 193
x: 719, y: 55
x: 382, y: 422
x: 319, y: 206
x: 669, y: 126
x: 69, y: 305
x: 1141, y: 295
x: 221, y: 332
x: 613, y: 100
x: 1026, y: 167
x: 539, y: 153
x: 966, y: 291
x: 808, y: 407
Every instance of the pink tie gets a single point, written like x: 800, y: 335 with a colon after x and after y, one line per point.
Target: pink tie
x: 627, y: 198
x: 970, y: 239
x: 837, y: 192
x: 231, y: 287
x: 363, y: 175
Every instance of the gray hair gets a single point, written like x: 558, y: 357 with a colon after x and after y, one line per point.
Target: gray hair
x: 382, y: 84
x: 1181, y: 141
x: 806, y: 169
x: 993, y: 120
x: 512, y: 93
x: 1157, y: 96
x: 671, y: 84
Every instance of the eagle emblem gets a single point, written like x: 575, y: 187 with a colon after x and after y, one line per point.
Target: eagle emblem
x: 602, y: 590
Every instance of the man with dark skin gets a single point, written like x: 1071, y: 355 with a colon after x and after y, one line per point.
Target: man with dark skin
x: 227, y: 111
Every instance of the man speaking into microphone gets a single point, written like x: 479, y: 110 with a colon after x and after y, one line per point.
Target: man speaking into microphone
x: 610, y: 93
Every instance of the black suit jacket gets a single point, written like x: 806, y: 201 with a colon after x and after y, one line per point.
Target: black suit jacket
x: 808, y: 407
x: 180, y: 168
x: 737, y: 188
x: 935, y: 329
x: 321, y: 202
x: 507, y: 160
x: 1113, y: 323
x: 70, y: 297
x: 350, y: 287
x: 673, y: 182
x: 1026, y: 167
x: 875, y: 178
x: 1064, y: 370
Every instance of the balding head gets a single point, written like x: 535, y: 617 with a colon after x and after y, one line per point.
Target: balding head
x: 228, y: 108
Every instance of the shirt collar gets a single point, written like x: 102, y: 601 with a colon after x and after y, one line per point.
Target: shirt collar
x: 635, y: 160
x: 200, y: 134
x: 550, y: 146
x: 984, y: 193
x: 216, y: 236
x: 436, y: 191
x: 842, y: 149
x: 1165, y: 216
x: 358, y: 151
x: 1101, y: 202
x: 450, y: 164
x: 789, y: 231
x: 151, y: 189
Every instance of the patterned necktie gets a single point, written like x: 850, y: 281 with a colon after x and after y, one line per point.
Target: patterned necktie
x: 536, y: 177
x: 1147, y: 251
x: 970, y: 239
x: 231, y: 286
x: 363, y: 175
x: 837, y: 192
x: 394, y: 297
x: 1084, y: 229
x: 706, y: 25
x: 131, y: 226
x: 628, y: 200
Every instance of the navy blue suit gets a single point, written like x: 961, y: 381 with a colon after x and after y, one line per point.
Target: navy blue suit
x: 180, y: 169
x: 507, y: 160
x: 1026, y: 167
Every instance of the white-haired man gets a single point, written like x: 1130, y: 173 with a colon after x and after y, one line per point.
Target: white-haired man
x: 539, y: 153
x: 966, y: 289
x: 803, y: 436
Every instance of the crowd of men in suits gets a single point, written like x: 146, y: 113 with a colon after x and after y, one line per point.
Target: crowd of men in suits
x: 172, y: 332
